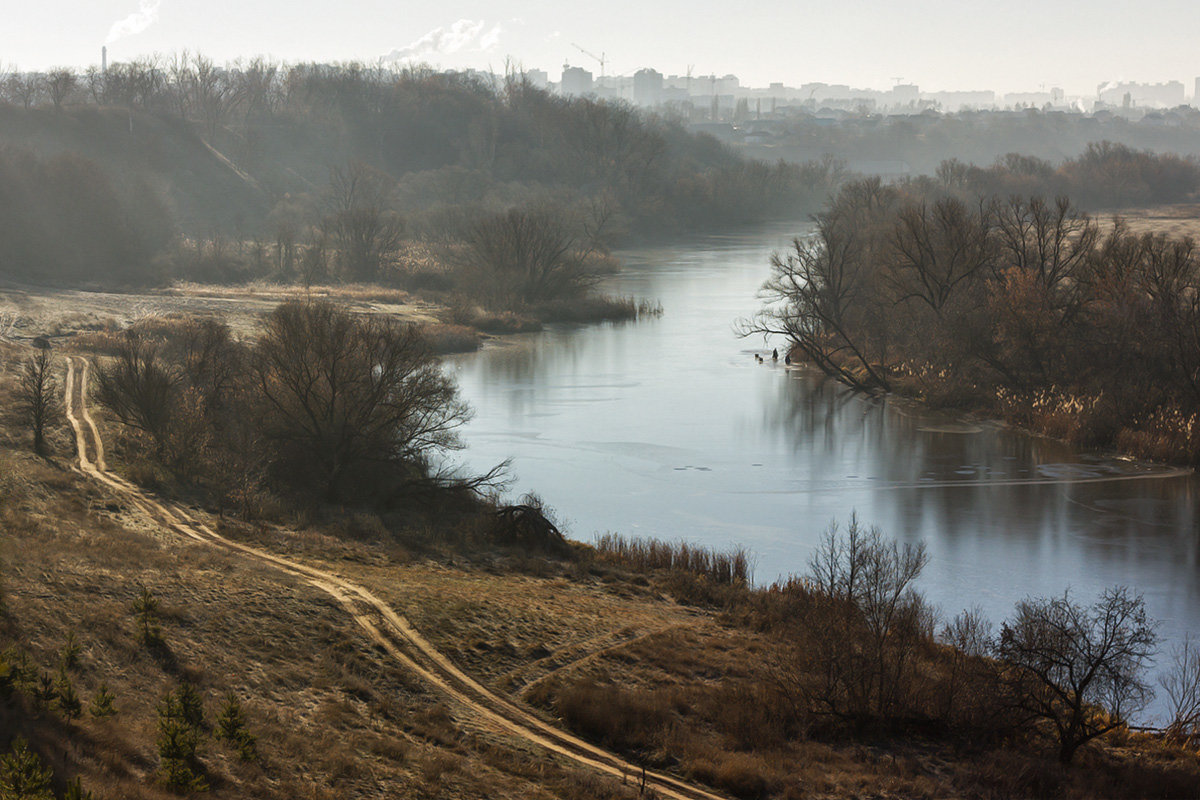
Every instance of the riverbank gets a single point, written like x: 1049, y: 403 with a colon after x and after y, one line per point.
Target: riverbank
x: 450, y: 324
x: 700, y: 442
x: 676, y: 672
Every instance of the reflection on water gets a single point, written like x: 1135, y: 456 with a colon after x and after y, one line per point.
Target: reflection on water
x: 668, y: 427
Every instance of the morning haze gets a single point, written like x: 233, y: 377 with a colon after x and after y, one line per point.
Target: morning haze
x: 650, y: 400
x: 943, y: 45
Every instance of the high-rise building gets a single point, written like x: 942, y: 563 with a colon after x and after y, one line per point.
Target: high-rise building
x: 576, y: 80
x: 647, y: 87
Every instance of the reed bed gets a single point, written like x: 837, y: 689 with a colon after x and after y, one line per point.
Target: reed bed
x: 730, y: 566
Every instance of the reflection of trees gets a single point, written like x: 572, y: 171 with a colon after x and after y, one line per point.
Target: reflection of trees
x: 825, y: 424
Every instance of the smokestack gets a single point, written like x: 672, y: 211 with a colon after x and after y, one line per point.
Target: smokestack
x: 103, y: 60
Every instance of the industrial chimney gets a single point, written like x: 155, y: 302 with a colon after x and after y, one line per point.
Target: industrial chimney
x: 104, y: 60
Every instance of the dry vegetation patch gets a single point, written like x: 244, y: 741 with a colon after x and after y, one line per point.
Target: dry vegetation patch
x: 660, y: 653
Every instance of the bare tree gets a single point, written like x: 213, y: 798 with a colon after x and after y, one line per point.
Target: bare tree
x: 939, y: 248
x: 24, y: 87
x: 212, y: 92
x: 94, y: 80
x: 1182, y: 685
x: 968, y: 691
x: 1054, y: 242
x: 826, y: 297
x: 1078, y: 669
x: 139, y: 388
x: 529, y: 256
x: 60, y: 85
x: 38, y: 394
x: 353, y: 402
x: 360, y: 222
x: 861, y: 643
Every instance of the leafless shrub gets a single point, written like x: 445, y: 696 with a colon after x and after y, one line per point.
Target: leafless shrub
x: 348, y: 396
x: 529, y: 257
x: 37, y: 392
x: 1182, y: 686
x: 1079, y: 670
x: 139, y: 388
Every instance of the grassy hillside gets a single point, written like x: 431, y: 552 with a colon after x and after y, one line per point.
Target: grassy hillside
x: 143, y: 152
x: 677, y: 672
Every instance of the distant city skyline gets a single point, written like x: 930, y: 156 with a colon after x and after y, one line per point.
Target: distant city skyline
x: 868, y: 44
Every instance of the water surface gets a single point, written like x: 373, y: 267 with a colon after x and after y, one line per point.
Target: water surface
x: 670, y: 428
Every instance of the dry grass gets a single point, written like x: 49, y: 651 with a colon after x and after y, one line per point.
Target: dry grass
x: 335, y: 718
x: 1182, y: 219
x: 609, y: 652
x: 730, y: 566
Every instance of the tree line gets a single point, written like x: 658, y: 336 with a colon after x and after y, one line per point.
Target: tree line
x: 922, y: 141
x: 1020, y: 306
x: 1105, y: 175
x: 325, y: 406
x: 241, y: 150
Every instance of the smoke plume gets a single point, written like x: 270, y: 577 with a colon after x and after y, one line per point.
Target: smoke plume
x: 138, y: 21
x: 466, y: 34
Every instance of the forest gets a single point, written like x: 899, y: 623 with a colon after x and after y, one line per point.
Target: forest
x: 269, y: 161
x: 1014, y: 305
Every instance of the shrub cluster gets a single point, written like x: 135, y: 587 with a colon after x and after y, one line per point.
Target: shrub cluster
x: 1021, y: 306
x: 326, y: 404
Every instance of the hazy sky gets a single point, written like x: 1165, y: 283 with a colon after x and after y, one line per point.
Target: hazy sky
x: 1015, y: 45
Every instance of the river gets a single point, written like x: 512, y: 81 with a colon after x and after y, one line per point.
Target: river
x: 669, y: 427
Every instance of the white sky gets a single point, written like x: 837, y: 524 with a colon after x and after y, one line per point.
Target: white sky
x: 1019, y: 45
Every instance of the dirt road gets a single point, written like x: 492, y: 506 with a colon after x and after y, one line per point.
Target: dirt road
x: 385, y: 627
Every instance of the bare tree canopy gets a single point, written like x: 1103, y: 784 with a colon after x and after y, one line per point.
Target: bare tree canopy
x: 356, y: 399
x: 139, y: 387
x: 530, y: 255
x: 360, y: 222
x: 37, y: 391
x: 1079, y: 669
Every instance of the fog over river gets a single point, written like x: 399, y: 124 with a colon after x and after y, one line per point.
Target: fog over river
x: 670, y: 428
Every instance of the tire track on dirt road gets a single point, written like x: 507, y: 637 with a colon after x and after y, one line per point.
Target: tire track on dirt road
x: 383, y: 625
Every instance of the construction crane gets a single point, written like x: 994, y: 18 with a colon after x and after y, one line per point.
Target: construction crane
x: 601, y: 58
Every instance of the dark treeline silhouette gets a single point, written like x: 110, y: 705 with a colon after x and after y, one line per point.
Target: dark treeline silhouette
x: 1020, y: 306
x: 246, y: 151
x: 1105, y: 175
x: 919, y: 142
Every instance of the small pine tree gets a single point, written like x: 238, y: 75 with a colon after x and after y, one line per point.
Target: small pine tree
x: 68, y: 700
x: 44, y: 692
x: 191, y: 705
x: 75, y: 791
x: 177, y: 743
x: 22, y: 774
x: 102, y: 703
x: 71, y: 651
x: 231, y: 728
x: 146, y: 609
x: 21, y: 672
x: 7, y: 682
